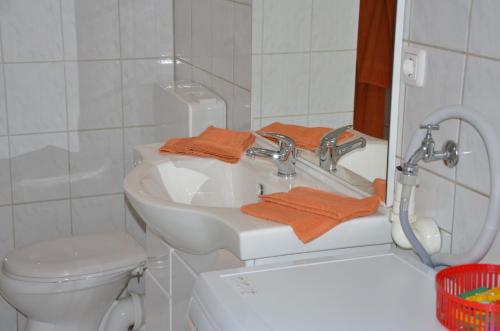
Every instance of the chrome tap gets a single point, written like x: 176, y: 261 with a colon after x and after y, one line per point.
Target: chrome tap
x: 284, y: 158
x: 428, y: 153
x: 329, y: 152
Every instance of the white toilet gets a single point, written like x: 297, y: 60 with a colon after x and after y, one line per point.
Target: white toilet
x: 69, y: 284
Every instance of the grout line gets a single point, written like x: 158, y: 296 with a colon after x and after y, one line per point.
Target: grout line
x: 212, y: 74
x: 161, y: 57
x: 261, y: 83
x: 63, y: 199
x: 309, y: 81
x: 344, y: 50
x: 9, y: 150
x: 67, y: 119
x: 123, y: 104
x: 461, y: 123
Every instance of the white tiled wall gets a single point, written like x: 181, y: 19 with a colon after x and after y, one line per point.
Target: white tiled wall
x: 213, y: 47
x: 303, y: 61
x: 461, y: 38
x: 76, y: 93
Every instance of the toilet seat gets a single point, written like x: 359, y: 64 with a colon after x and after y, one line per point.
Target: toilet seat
x: 75, y: 258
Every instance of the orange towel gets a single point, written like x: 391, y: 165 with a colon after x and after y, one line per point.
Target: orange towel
x: 380, y: 188
x: 307, y: 138
x: 310, y: 212
x: 222, y: 144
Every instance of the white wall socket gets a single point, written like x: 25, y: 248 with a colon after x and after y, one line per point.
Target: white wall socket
x: 413, y: 66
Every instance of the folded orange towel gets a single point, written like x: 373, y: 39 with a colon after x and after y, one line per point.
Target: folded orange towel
x: 310, y: 212
x: 380, y: 188
x: 222, y: 144
x: 307, y: 138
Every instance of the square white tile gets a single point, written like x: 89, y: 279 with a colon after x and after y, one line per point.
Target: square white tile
x: 5, y: 184
x: 256, y: 89
x: 443, y: 87
x: 225, y: 90
x: 41, y: 221
x: 39, y: 167
x: 485, y: 28
x: 138, y: 136
x: 331, y: 120
x: 287, y: 26
x: 36, y: 97
x: 183, y: 71
x: 31, y: 30
x: 201, y: 34
x: 434, y: 199
x: 182, y: 29
x: 96, y: 162
x: 6, y: 232
x: 243, y: 45
x: 98, y: 214
x: 257, y: 25
x: 241, y: 111
x: 440, y: 23
x: 146, y: 28
x: 335, y: 24
x: 285, y: 84
x: 223, y: 39
x: 332, y: 82
x: 134, y: 224
x: 470, y: 214
x: 139, y: 78
x: 94, y: 94
x: 91, y: 29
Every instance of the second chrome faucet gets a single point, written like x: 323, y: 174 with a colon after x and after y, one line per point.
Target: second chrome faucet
x: 284, y: 158
x: 329, y: 151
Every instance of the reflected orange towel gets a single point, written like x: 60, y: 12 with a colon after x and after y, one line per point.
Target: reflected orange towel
x: 380, y: 188
x: 222, y: 144
x: 310, y: 212
x: 307, y: 138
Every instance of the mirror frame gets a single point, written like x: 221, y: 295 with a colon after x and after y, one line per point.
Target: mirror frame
x: 395, y: 101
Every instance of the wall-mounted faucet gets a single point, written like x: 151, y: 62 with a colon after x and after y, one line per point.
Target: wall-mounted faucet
x: 285, y: 158
x: 427, y: 152
x: 329, y: 152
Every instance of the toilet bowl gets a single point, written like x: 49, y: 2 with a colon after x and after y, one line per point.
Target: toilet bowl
x: 69, y: 284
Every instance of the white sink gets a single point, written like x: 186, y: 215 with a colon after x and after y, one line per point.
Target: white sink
x: 193, y: 203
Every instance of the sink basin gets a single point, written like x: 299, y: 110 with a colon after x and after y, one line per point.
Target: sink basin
x: 369, y: 162
x: 193, y: 203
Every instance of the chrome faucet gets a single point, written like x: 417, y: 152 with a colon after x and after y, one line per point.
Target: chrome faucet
x: 329, y: 152
x: 284, y: 158
x: 427, y: 152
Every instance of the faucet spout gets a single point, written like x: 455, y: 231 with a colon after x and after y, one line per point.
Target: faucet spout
x: 285, y: 158
x: 330, y: 152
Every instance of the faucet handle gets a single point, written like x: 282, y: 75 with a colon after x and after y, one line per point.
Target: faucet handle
x: 429, y: 127
x: 333, y: 135
x: 285, y: 142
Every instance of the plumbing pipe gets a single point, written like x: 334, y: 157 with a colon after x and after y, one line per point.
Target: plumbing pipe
x: 123, y: 313
x: 426, y: 231
x: 490, y: 228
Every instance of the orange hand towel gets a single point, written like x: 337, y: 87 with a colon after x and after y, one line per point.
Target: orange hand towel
x: 380, y: 188
x: 307, y: 138
x: 310, y: 212
x: 222, y: 144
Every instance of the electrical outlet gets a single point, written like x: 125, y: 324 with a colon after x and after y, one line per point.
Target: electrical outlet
x: 414, y: 63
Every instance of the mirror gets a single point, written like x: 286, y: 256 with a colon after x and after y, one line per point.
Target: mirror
x: 327, y: 63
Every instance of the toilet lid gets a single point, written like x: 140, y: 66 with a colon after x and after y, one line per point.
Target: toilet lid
x: 75, y: 256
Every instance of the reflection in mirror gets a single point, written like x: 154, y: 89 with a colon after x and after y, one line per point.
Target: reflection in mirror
x: 333, y: 71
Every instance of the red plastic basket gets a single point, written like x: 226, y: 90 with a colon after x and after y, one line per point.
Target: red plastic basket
x: 456, y: 313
